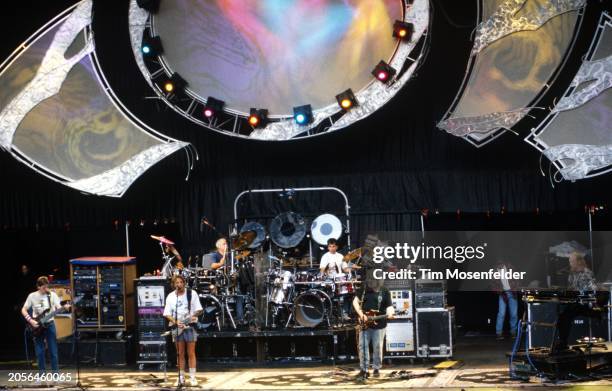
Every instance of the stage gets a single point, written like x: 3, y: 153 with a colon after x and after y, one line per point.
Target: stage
x: 481, y: 364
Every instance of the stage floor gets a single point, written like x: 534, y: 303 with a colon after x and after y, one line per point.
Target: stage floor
x: 482, y: 365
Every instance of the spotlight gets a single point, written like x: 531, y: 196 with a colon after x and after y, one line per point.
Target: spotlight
x: 175, y: 85
x: 302, y: 114
x: 151, y: 46
x: 258, y: 117
x: 150, y: 5
x: 384, y: 72
x: 212, y: 107
x: 346, y: 99
x: 403, y: 30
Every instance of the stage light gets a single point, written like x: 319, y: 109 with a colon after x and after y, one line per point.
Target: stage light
x: 175, y: 85
x: 403, y: 30
x: 346, y: 99
x: 258, y: 117
x: 302, y: 114
x: 384, y: 72
x: 151, y: 46
x: 150, y: 5
x: 212, y: 107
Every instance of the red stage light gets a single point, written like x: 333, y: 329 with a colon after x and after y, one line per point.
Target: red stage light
x: 384, y: 72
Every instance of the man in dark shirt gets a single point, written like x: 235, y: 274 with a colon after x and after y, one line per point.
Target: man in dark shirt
x: 217, y: 259
x: 372, y: 296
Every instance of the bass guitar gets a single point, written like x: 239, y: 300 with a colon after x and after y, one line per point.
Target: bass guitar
x: 45, y: 318
x: 372, y: 318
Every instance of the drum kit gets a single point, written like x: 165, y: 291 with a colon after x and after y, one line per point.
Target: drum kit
x: 296, y: 294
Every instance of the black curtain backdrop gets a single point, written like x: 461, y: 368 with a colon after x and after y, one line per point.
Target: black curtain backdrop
x: 391, y: 165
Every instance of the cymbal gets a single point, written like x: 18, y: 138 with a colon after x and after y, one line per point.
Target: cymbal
x: 242, y: 254
x: 296, y: 262
x: 243, y: 240
x: 162, y: 239
x: 354, y: 254
x: 289, y: 262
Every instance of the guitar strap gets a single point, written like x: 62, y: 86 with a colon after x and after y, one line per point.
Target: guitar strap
x: 189, y: 301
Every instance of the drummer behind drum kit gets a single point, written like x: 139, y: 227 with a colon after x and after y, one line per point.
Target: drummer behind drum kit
x: 296, y: 294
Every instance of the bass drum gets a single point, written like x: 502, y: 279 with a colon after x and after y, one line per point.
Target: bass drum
x: 210, y: 319
x: 311, y: 308
x: 287, y: 229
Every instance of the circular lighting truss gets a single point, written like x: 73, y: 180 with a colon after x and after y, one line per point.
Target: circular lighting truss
x: 278, y: 70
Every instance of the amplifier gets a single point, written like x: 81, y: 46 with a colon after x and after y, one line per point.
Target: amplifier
x: 542, y: 317
x: 430, y: 294
x: 399, y: 339
x: 85, y: 290
x: 402, y: 303
x: 435, y: 332
x: 106, y: 297
x: 151, y: 296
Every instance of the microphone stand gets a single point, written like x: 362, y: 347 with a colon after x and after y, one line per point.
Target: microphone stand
x: 75, y: 340
x: 180, y: 384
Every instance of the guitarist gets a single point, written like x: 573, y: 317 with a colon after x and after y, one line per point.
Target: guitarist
x: 182, y: 309
x: 40, y: 302
x: 374, y: 299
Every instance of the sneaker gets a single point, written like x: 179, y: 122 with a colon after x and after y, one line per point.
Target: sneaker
x: 179, y: 382
x: 376, y: 373
x: 362, y: 375
x: 193, y: 382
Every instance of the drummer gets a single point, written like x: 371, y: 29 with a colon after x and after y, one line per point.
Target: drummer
x: 171, y: 251
x: 332, y: 262
x: 217, y: 259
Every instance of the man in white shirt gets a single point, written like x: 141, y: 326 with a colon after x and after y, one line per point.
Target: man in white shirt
x: 332, y: 262
x: 182, y: 309
x: 40, y: 301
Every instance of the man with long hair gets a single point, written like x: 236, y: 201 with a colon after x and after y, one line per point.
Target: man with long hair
x: 372, y: 297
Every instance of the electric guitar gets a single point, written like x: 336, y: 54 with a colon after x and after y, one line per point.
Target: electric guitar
x: 372, y: 316
x: 45, y: 318
x: 175, y: 330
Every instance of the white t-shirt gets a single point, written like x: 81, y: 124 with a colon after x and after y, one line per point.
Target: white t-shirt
x: 40, y: 302
x: 180, y: 311
x: 333, y: 262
